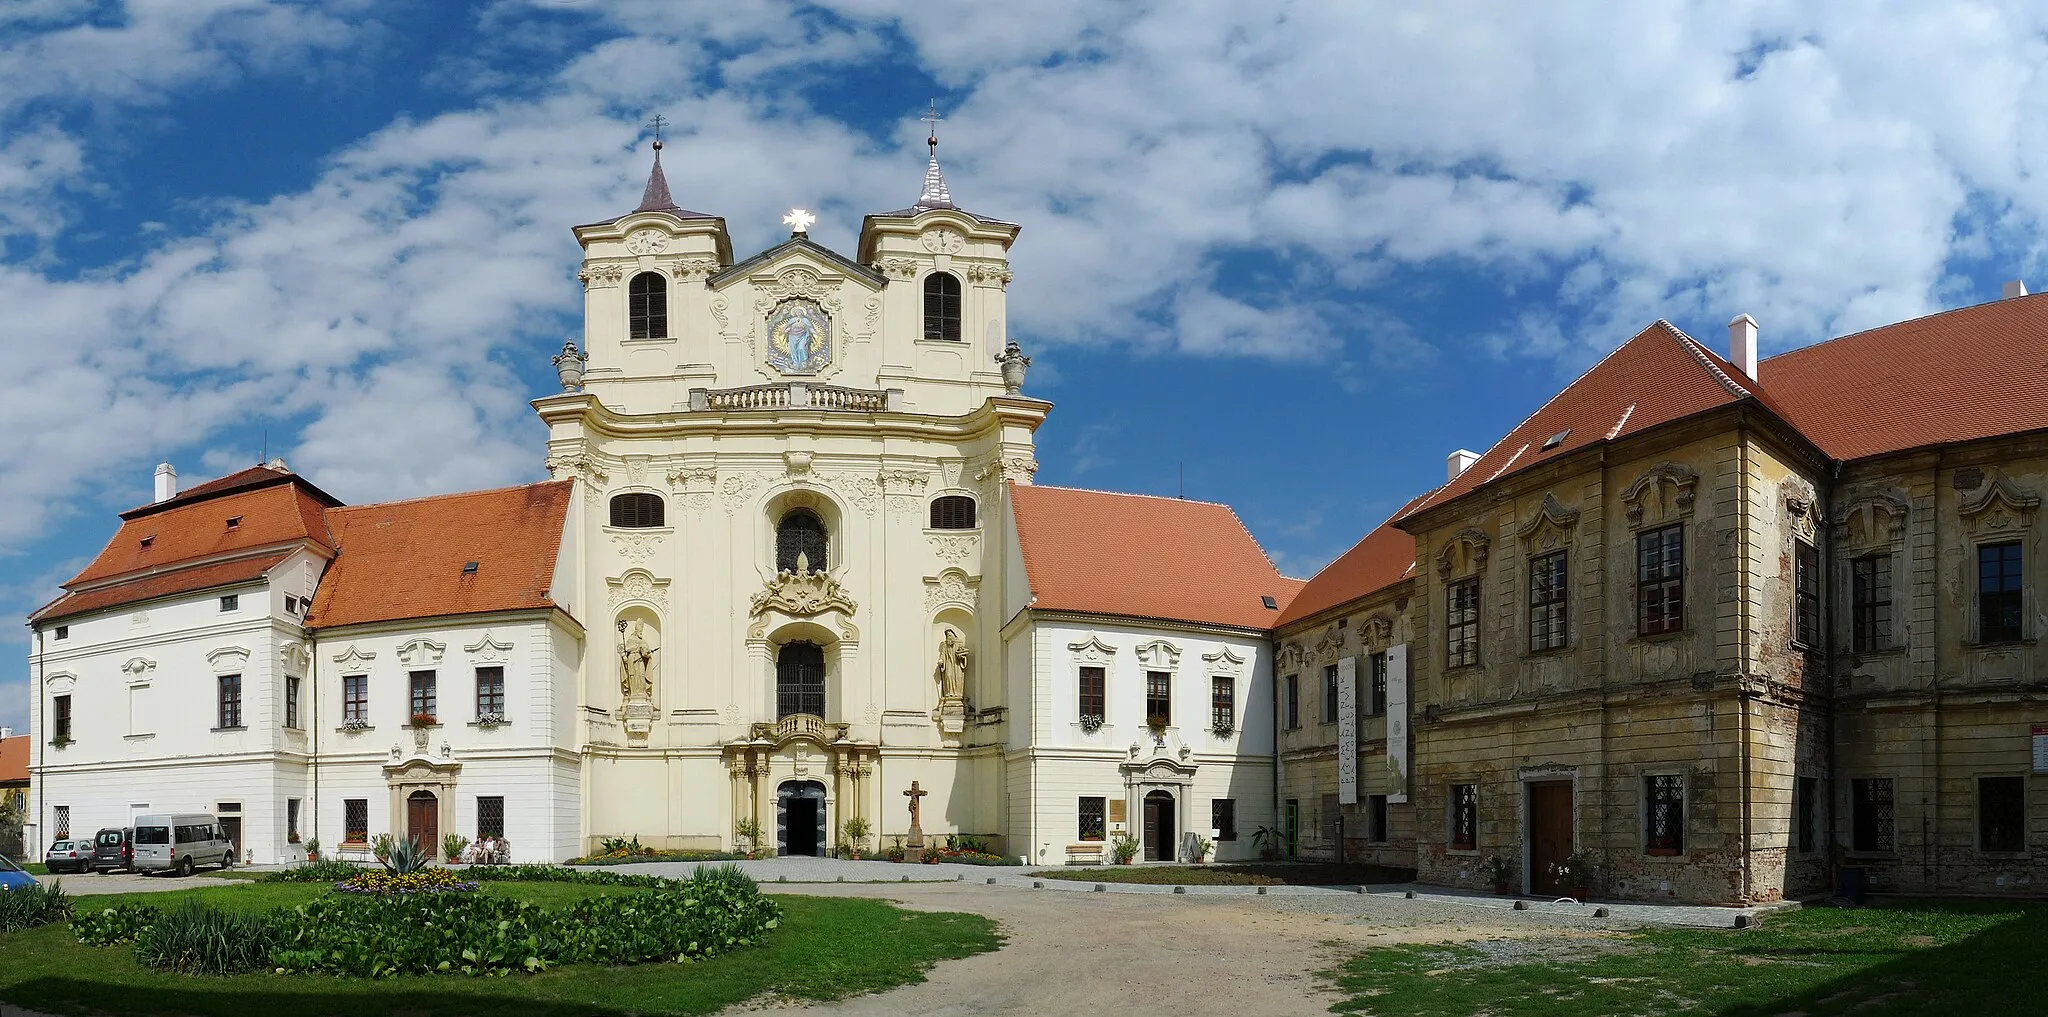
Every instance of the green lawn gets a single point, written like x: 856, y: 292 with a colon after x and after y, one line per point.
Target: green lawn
x: 1237, y: 874
x: 824, y: 949
x: 1922, y: 959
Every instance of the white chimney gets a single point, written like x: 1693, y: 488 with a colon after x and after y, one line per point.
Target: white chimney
x: 1742, y: 344
x: 166, y: 482
x: 2012, y: 289
x: 6, y: 732
x: 1458, y: 462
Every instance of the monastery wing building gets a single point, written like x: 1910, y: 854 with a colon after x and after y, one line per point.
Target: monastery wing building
x: 790, y: 565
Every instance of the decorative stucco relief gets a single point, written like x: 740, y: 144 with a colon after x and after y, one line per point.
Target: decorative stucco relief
x: 1878, y: 520
x: 988, y: 275
x: 1550, y: 528
x: 420, y: 651
x: 598, y: 275
x: 1663, y: 494
x: 1464, y: 553
x: 686, y: 269
x: 801, y: 595
x: 1224, y: 663
x: 954, y: 547
x: 1377, y: 631
x: 489, y: 649
x: 951, y: 588
x: 897, y: 268
x: 1092, y: 651
x: 637, y: 548
x: 1159, y: 655
x: 2000, y: 506
x: 637, y: 585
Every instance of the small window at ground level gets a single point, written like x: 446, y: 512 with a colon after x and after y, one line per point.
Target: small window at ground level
x: 953, y: 512
x: 638, y: 510
x: 60, y: 816
x: 1664, y: 826
x: 291, y: 820
x: 2002, y: 814
x: 355, y: 820
x: 1091, y: 817
x: 490, y: 817
x: 1464, y: 818
x: 1223, y: 818
x: 1806, y: 813
x: 1376, y: 818
x: 1870, y: 815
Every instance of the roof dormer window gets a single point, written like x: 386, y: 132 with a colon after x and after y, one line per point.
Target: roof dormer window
x: 148, y: 541
x: 234, y: 522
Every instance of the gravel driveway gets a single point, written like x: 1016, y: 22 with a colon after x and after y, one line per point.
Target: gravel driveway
x: 86, y: 884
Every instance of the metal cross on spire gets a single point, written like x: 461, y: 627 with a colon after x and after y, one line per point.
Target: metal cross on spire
x: 934, y: 194
x: 657, y: 124
x: 931, y: 118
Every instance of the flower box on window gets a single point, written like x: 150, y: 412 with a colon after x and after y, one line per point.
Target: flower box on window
x: 424, y: 720
x: 1091, y: 722
x: 490, y: 719
x: 1223, y: 729
x: 355, y: 724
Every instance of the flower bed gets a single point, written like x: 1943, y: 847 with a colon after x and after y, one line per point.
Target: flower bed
x: 417, y: 881
x: 935, y: 855
x: 646, y: 854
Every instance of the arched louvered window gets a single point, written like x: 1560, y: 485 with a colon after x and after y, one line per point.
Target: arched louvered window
x: 800, y: 534
x: 647, y: 306
x: 638, y: 510
x: 800, y: 680
x: 953, y: 512
x: 942, y: 306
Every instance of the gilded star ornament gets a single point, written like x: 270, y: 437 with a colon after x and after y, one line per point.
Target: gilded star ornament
x: 799, y: 220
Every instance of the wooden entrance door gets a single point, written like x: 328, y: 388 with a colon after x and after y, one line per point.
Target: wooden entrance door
x: 1550, y: 836
x: 1159, y: 830
x: 423, y: 821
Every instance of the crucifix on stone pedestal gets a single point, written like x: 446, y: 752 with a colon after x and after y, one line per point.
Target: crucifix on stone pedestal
x: 913, y: 849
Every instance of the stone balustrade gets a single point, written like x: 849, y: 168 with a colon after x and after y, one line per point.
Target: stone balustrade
x: 797, y: 395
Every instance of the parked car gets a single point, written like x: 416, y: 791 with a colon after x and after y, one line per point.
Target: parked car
x: 180, y: 843
x: 113, y: 849
x: 68, y: 856
x: 12, y: 876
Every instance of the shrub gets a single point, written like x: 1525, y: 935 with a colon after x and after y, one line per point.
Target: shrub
x: 29, y: 906
x: 452, y: 846
x: 404, y: 856
x: 416, y: 881
x: 330, y: 871
x: 558, y: 874
x: 1123, y: 848
x: 122, y: 923
x: 650, y: 855
x: 199, y: 939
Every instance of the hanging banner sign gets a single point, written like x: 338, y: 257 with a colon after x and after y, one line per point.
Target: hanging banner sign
x: 2041, y: 748
x: 1397, y: 724
x: 1347, y: 731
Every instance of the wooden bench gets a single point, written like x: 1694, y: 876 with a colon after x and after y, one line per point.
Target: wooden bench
x: 360, y: 853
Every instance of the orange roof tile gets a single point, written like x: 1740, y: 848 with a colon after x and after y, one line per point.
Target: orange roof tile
x: 405, y: 559
x: 1659, y: 376
x: 14, y: 760
x: 190, y: 528
x: 1960, y: 375
x: 151, y: 585
x: 1143, y: 556
x: 1384, y: 557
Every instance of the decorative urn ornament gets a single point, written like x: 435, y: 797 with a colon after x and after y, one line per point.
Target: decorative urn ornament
x: 569, y: 366
x: 1013, y: 362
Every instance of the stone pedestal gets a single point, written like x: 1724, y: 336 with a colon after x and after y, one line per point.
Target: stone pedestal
x: 952, y: 716
x: 638, y: 713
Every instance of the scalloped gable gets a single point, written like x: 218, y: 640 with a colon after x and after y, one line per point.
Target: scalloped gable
x: 1142, y: 556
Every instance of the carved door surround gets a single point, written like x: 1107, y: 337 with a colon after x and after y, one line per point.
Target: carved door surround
x: 1160, y: 774
x: 437, y: 777
x: 800, y: 748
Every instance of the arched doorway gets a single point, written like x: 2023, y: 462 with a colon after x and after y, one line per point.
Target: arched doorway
x: 800, y: 818
x: 1159, y: 828
x: 423, y: 821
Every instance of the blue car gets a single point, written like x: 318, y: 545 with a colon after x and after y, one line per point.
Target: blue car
x: 11, y: 875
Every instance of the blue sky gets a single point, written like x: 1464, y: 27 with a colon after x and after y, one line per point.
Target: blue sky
x: 1301, y: 251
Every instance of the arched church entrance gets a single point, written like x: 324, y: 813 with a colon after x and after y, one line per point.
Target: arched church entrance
x: 1159, y: 826
x: 423, y: 821
x: 800, y: 818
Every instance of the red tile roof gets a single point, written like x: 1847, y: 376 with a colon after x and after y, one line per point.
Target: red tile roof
x: 1960, y: 375
x: 1385, y: 557
x: 14, y: 760
x: 191, y: 530
x: 405, y: 559
x: 1146, y: 557
x: 149, y: 586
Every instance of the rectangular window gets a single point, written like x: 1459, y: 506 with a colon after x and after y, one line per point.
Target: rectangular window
x: 1546, y: 602
x: 423, y: 695
x: 1376, y: 818
x: 1664, y: 821
x: 1870, y: 603
x: 63, y: 632
x: 1091, y: 818
x: 1998, y: 593
x: 291, y: 702
x: 1330, y: 694
x: 490, y: 817
x: 355, y: 699
x: 1806, y: 813
x: 1660, y: 581
x: 1805, y: 594
x: 355, y: 820
x: 1870, y: 815
x: 291, y: 820
x: 1158, y: 698
x: 60, y: 718
x: 1223, y: 818
x: 1376, y: 704
x: 2002, y: 814
x: 291, y: 604
x: 1223, y: 704
x: 230, y: 700
x: 1293, y: 703
x: 60, y: 816
x: 1461, y: 624
x: 230, y: 602
x: 490, y: 692
x: 1464, y: 818
x: 1092, y: 692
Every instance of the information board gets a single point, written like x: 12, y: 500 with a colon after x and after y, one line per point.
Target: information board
x: 1347, y: 731
x: 1397, y: 724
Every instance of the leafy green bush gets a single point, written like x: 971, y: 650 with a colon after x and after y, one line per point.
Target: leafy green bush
x: 330, y: 871
x: 29, y: 906
x: 384, y: 935
x: 121, y: 923
x: 558, y: 874
x: 453, y: 845
x: 199, y: 939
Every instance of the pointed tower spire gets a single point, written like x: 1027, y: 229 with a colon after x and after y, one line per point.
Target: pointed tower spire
x: 935, y: 194
x: 656, y: 197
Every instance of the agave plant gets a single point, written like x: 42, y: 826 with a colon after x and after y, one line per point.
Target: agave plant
x: 405, y: 856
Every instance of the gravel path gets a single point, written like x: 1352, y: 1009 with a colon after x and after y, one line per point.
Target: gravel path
x: 87, y: 884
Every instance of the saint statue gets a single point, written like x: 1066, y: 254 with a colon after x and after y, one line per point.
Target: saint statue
x: 636, y: 663
x: 951, y: 674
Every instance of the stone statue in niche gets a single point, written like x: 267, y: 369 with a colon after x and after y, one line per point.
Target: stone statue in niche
x: 951, y: 672
x: 636, y: 662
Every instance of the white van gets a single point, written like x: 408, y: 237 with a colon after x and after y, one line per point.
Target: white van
x: 180, y: 842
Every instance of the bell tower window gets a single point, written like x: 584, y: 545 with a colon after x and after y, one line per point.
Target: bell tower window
x: 637, y: 510
x: 800, y: 535
x: 953, y: 512
x: 647, y: 306
x: 942, y: 306
x: 800, y: 680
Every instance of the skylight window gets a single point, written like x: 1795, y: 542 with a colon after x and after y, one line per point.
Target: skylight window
x: 1271, y: 604
x: 1557, y: 439
x: 469, y: 568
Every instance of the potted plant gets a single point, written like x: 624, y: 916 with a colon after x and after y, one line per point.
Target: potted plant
x: 1267, y: 840
x: 1157, y: 725
x: 854, y: 834
x: 381, y: 846
x: 1497, y: 870
x: 312, y: 849
x: 423, y: 720
x: 1579, y: 871
x: 1123, y: 848
x: 749, y: 831
x: 452, y: 846
x: 1202, y: 847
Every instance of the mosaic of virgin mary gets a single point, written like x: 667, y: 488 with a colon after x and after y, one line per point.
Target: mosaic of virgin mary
x: 799, y: 338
